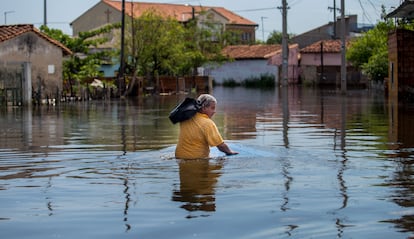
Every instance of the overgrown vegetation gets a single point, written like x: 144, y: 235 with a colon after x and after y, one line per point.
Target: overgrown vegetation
x: 276, y: 37
x: 162, y: 46
x: 370, y: 52
x: 263, y: 81
x: 153, y: 46
x: 83, y: 64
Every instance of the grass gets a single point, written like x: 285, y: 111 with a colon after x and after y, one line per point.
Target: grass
x: 262, y: 81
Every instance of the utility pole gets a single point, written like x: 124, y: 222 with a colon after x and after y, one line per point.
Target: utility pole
x: 44, y: 13
x: 263, y: 29
x: 343, y: 48
x: 121, y: 80
x: 334, y: 9
x: 5, y: 16
x: 285, y: 47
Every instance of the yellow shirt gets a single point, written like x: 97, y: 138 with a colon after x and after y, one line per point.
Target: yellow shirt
x: 196, y: 137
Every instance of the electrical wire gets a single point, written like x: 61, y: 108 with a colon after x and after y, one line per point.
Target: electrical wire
x: 364, y: 13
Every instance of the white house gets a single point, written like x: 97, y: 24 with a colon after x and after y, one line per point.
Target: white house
x: 247, y: 61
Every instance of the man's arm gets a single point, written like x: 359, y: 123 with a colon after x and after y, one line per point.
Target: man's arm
x: 223, y: 147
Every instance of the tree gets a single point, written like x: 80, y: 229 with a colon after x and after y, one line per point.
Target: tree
x: 370, y: 52
x: 156, y: 45
x: 153, y: 46
x: 83, y: 64
x: 276, y: 37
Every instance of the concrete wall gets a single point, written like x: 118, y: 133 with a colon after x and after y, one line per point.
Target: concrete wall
x: 326, y: 32
x: 240, y: 70
x: 314, y: 59
x: 45, y: 60
x: 96, y: 17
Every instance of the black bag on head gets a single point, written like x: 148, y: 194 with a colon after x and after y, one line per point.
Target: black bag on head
x: 185, y: 110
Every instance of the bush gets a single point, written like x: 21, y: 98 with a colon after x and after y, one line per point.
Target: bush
x: 230, y: 83
x: 264, y: 81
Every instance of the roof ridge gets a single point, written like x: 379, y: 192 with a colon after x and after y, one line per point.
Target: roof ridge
x: 8, y: 32
x: 232, y: 17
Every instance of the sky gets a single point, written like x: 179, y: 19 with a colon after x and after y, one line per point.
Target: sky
x: 302, y: 16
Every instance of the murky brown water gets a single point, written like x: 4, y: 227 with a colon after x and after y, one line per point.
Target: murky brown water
x: 312, y: 164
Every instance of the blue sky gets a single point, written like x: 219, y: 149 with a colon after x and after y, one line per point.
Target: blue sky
x: 303, y: 15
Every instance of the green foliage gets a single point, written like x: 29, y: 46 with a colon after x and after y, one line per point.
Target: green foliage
x: 153, y: 45
x: 276, y: 37
x: 264, y: 81
x: 230, y: 83
x: 83, y: 64
x: 370, y: 52
x: 159, y: 46
x: 377, y: 66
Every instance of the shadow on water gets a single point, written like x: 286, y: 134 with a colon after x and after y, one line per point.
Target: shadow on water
x: 311, y: 162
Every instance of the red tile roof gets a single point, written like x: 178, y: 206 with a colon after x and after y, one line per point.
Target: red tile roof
x: 8, y: 32
x: 250, y: 51
x: 329, y: 46
x: 182, y: 13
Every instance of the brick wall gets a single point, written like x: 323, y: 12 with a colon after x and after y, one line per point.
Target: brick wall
x: 401, y: 62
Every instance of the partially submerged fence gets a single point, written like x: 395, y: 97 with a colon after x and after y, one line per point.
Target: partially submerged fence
x: 15, y: 84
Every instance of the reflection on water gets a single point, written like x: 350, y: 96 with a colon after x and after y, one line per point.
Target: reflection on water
x: 312, y: 162
x: 198, y: 180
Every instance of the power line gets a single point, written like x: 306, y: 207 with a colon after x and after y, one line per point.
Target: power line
x: 293, y: 3
x: 364, y: 12
x: 256, y: 9
x: 373, y: 6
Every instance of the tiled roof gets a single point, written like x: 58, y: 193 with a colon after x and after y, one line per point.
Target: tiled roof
x: 8, y: 32
x: 250, y: 51
x: 329, y: 46
x: 182, y: 13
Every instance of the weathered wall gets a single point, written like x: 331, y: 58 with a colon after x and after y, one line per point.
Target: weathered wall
x: 240, y: 70
x: 45, y: 58
x: 96, y: 17
x: 326, y: 32
x: 401, y: 66
x: 312, y: 59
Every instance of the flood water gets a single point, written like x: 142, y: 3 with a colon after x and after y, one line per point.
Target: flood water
x: 312, y: 164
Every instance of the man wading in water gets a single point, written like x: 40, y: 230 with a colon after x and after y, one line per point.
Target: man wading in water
x: 199, y: 133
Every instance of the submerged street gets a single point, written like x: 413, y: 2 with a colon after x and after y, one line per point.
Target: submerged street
x: 312, y: 164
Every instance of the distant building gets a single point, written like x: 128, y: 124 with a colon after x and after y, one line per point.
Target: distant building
x: 109, y: 12
x: 246, y: 61
x: 42, y: 58
x: 328, y: 31
x: 320, y: 64
x: 276, y: 59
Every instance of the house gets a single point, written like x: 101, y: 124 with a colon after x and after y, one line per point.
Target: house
x: 327, y: 31
x: 321, y: 64
x: 276, y: 59
x: 247, y: 61
x: 110, y: 12
x: 41, y: 57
